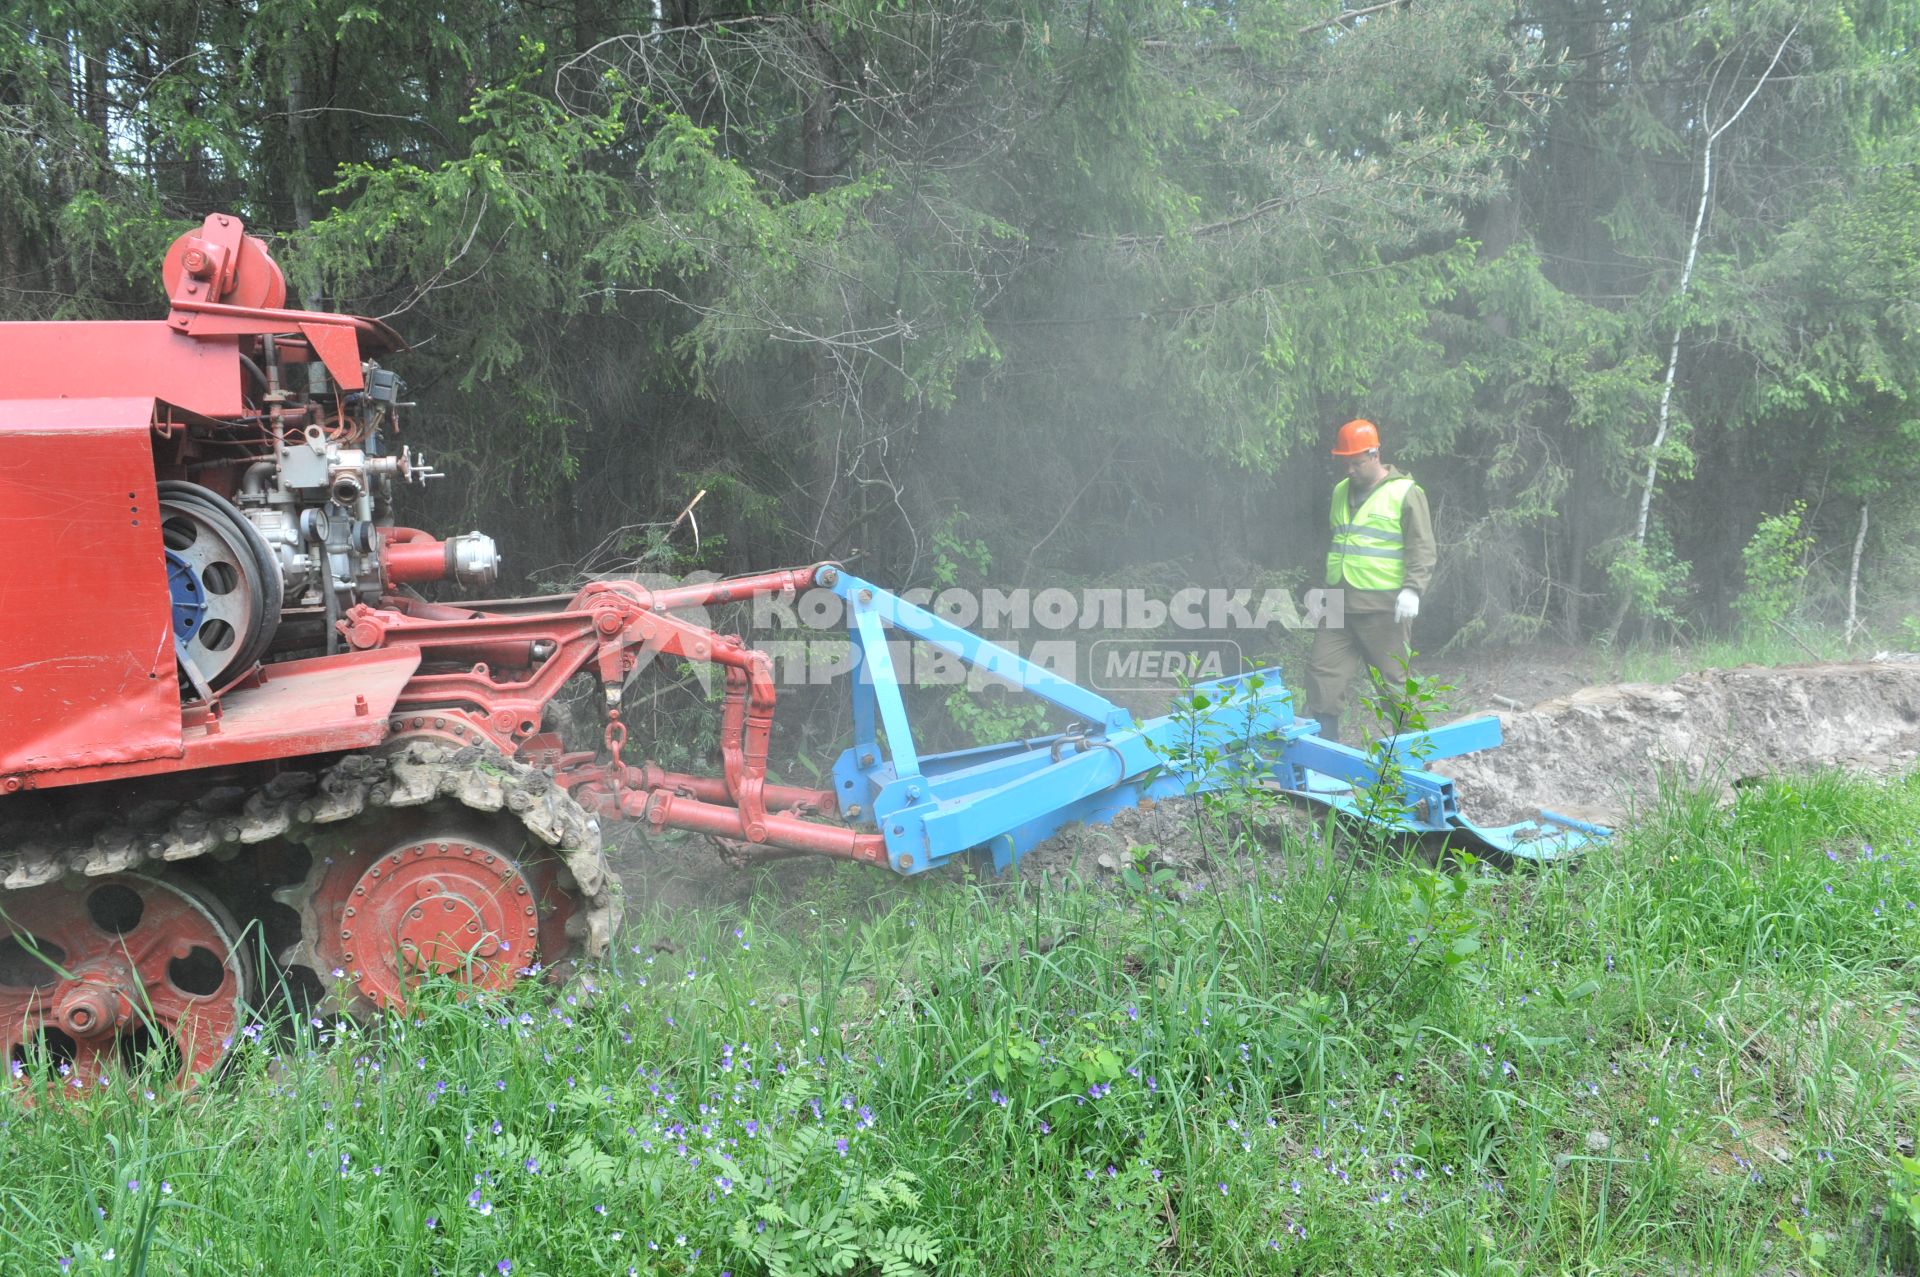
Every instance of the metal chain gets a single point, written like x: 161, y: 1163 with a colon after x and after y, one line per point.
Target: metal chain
x: 616, y: 739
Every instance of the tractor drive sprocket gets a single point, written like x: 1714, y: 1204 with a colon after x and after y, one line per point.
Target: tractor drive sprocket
x: 443, y: 888
x: 442, y: 809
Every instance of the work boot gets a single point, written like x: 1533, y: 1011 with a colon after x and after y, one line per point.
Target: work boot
x: 1329, y: 727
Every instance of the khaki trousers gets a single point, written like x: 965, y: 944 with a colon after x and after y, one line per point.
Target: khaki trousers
x: 1367, y: 640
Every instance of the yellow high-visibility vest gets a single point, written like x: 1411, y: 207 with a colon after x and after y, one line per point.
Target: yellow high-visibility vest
x: 1367, y: 553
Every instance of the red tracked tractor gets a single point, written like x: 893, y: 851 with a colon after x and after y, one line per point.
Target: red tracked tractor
x: 231, y: 725
x: 225, y: 710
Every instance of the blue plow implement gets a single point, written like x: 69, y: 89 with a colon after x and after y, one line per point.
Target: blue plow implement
x: 1002, y: 800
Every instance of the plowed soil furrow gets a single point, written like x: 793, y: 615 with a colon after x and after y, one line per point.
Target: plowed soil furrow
x: 1600, y: 752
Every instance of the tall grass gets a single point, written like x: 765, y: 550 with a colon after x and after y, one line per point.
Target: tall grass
x: 1690, y: 1054
x: 1646, y: 662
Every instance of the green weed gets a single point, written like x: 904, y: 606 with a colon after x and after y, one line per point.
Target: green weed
x: 1691, y: 1053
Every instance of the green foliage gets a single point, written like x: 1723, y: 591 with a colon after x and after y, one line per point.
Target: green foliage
x: 1814, y: 1247
x: 1903, y: 1205
x: 954, y: 552
x: 1903, y: 1188
x: 506, y: 219
x: 1111, y: 1225
x: 1774, y: 565
x: 1663, y: 661
x: 1146, y: 880
x: 1423, y: 922
x: 983, y: 713
x: 985, y: 719
x: 1033, y: 1078
x: 808, y: 1217
x: 1445, y: 917
x: 1788, y: 869
x: 1648, y: 576
x: 1062, y: 266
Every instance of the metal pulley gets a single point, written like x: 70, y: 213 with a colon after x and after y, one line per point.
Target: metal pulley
x: 225, y: 583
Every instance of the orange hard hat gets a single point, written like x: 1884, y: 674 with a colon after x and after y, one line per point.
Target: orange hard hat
x: 1356, y: 437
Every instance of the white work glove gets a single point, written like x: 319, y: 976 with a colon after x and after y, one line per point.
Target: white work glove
x: 1407, y: 606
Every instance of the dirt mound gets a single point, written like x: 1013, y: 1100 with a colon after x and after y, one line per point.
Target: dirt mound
x: 1599, y: 752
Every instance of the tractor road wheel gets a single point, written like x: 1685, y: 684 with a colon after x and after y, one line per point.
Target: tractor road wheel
x: 116, y: 974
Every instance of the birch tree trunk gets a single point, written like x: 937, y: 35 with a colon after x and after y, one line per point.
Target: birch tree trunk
x: 1665, y: 417
x: 1853, y: 576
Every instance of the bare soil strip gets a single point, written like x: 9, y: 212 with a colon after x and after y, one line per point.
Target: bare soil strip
x: 1599, y: 753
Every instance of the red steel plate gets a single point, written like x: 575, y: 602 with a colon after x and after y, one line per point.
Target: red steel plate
x: 86, y: 642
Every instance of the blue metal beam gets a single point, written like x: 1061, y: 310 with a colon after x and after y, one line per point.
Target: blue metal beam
x: 1465, y: 737
x: 876, y: 670
x: 1005, y: 798
x: 867, y: 598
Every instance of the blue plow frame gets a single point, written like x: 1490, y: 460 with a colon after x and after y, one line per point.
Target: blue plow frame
x: 1002, y: 800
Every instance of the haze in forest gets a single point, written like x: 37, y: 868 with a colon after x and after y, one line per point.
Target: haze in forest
x: 1019, y: 293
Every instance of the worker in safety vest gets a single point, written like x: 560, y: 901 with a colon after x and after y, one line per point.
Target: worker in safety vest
x: 1382, y: 557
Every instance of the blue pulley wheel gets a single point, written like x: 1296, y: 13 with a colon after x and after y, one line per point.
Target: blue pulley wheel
x: 188, y: 595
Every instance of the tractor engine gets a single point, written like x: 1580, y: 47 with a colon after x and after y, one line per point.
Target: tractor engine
x: 287, y: 514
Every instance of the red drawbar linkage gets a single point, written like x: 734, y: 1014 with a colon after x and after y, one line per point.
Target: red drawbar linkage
x: 499, y: 665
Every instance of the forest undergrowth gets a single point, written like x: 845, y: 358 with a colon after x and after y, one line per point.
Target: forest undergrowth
x: 1692, y: 1053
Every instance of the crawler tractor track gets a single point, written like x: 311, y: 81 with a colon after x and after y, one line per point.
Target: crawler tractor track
x: 427, y: 856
